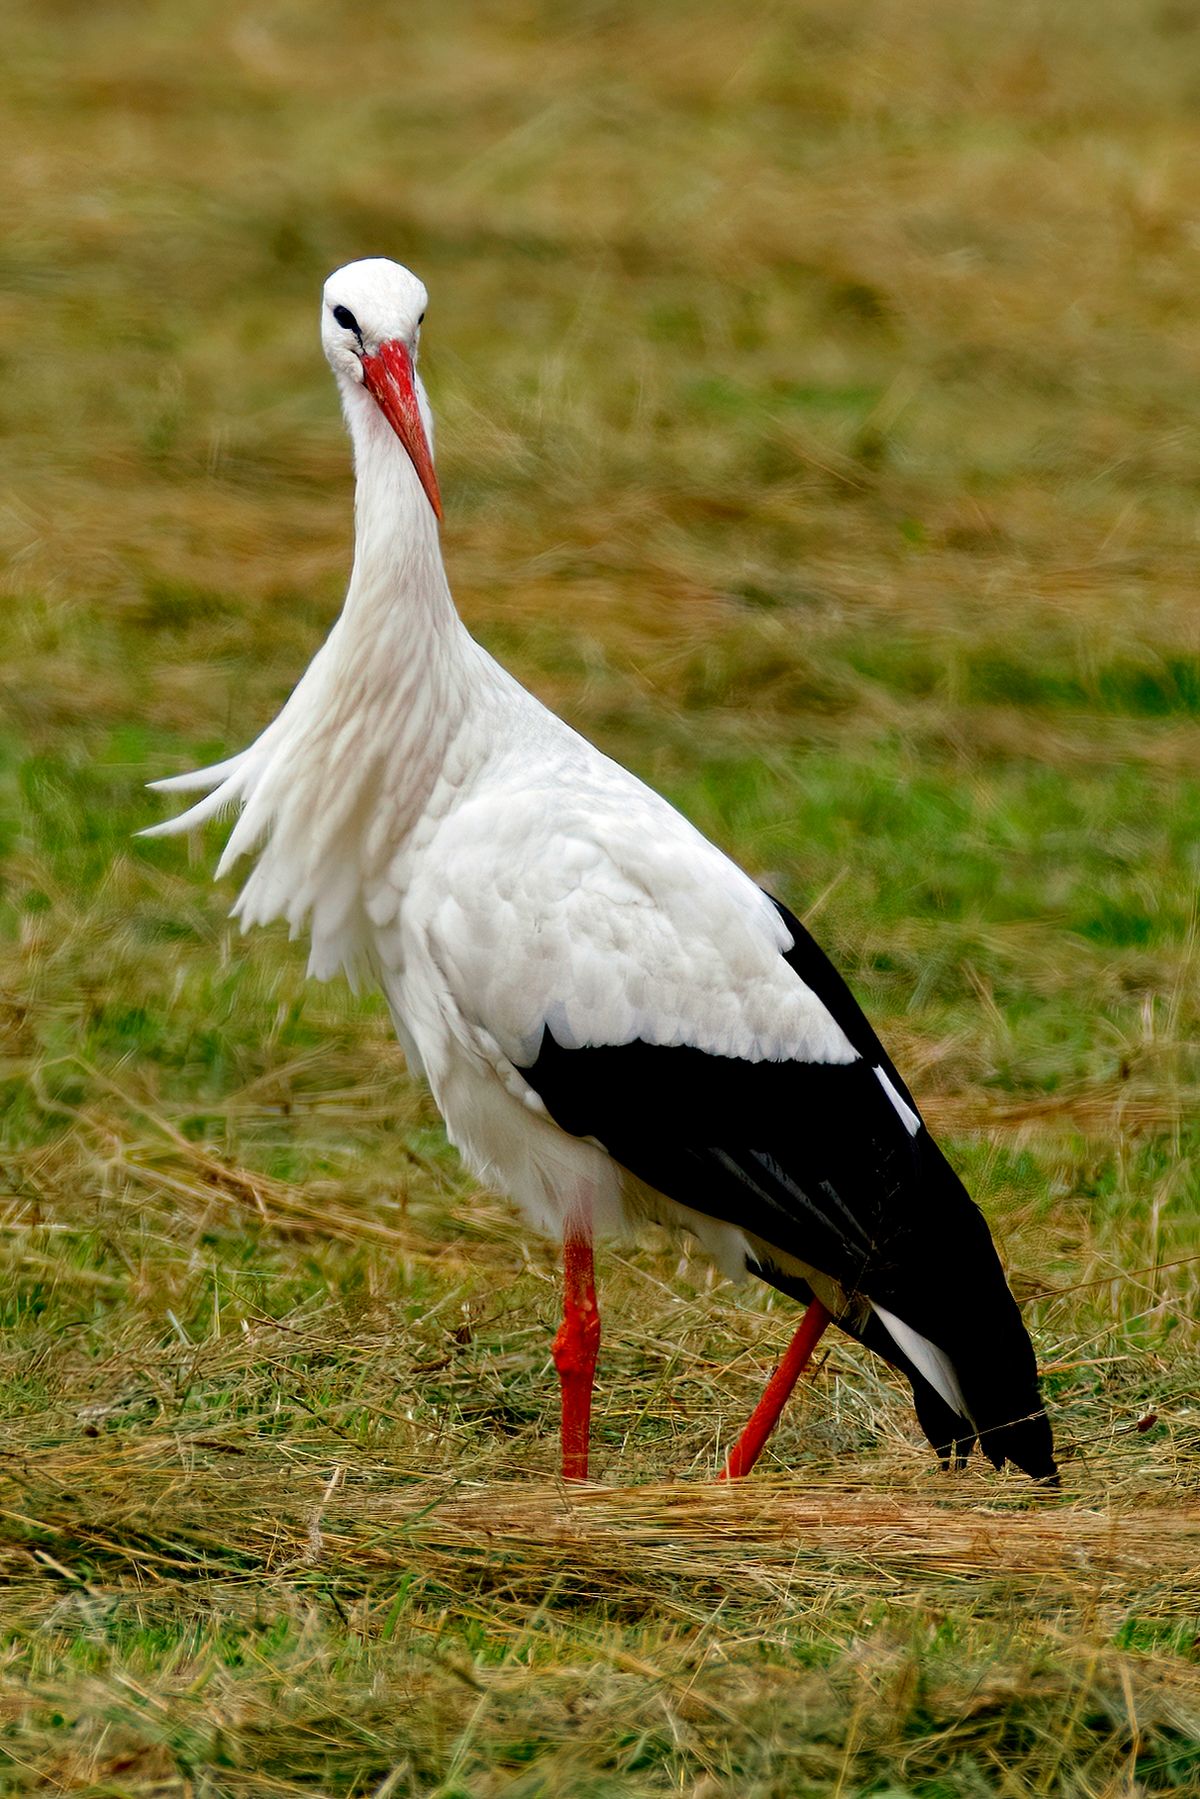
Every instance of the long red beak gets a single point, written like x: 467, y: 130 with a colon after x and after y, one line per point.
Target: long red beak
x: 388, y: 379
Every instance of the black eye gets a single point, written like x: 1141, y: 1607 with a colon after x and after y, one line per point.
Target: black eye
x: 421, y: 320
x: 347, y: 320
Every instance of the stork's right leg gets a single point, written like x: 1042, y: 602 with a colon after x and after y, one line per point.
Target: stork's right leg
x: 576, y: 1347
x: 765, y: 1416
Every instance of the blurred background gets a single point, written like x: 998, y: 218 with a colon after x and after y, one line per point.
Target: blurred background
x: 816, y: 391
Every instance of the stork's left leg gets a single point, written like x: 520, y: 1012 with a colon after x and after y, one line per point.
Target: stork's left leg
x: 765, y: 1415
x: 576, y: 1347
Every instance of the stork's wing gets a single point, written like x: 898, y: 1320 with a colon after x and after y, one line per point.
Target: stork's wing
x: 594, y: 911
x: 831, y: 1164
x: 807, y: 1156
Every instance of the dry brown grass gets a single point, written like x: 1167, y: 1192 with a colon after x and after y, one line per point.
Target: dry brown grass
x: 817, y: 391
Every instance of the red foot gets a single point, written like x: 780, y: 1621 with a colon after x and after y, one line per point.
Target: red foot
x: 575, y: 1349
x: 765, y: 1415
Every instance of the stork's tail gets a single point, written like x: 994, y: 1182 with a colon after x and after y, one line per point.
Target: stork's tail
x: 936, y: 1306
x: 949, y: 1288
x: 1024, y: 1440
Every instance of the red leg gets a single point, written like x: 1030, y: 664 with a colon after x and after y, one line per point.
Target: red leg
x: 575, y: 1349
x: 765, y: 1415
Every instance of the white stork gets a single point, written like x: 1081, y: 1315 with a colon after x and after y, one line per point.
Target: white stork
x: 614, y: 1020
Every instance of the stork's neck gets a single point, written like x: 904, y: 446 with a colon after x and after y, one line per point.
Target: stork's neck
x: 399, y: 673
x: 398, y: 592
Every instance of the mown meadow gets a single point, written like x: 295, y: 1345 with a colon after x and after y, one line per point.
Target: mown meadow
x: 817, y: 389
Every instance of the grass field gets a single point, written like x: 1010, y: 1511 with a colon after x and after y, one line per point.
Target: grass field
x: 817, y: 390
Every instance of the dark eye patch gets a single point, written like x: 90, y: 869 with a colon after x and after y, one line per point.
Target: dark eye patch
x: 347, y: 320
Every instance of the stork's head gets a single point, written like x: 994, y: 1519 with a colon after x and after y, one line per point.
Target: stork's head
x: 371, y: 315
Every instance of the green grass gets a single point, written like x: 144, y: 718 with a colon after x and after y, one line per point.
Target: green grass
x: 816, y: 395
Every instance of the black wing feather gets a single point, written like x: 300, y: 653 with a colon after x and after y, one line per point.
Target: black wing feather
x: 814, y: 1159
